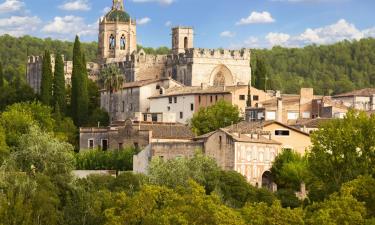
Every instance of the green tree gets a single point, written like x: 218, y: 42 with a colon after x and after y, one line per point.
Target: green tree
x: 79, y: 95
x: 262, y: 214
x: 46, y: 82
x: 59, y: 95
x: 4, y: 150
x: 217, y: 116
x: 112, y: 80
x: 1, y: 76
x: 342, y: 150
x: 261, y: 74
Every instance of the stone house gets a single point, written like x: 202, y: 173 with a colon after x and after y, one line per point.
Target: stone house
x: 132, y: 134
x: 363, y: 99
x: 133, y: 98
x: 184, y: 101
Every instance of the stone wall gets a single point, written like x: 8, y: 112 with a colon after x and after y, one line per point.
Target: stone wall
x: 172, y: 150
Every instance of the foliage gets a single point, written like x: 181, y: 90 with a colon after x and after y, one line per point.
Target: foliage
x: 153, y: 51
x: 336, y: 209
x: 111, y: 78
x: 120, y: 160
x: 260, y: 74
x: 342, y: 150
x: 79, y: 95
x: 46, y: 82
x: 329, y: 69
x: 4, y: 149
x: 18, y: 118
x: 289, y: 170
x: 288, y: 198
x: 15, y: 91
x: 217, y: 116
x: 236, y: 191
x: 261, y: 214
x: 1, y: 76
x: 59, y: 95
x: 100, y: 116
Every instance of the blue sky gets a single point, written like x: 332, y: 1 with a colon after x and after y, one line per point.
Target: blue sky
x: 217, y: 23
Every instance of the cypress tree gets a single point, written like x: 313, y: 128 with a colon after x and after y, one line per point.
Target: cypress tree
x: 46, y: 83
x: 79, y: 96
x: 1, y: 76
x: 59, y: 85
x: 261, y: 75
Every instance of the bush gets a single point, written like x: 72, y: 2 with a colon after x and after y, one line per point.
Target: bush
x: 119, y: 160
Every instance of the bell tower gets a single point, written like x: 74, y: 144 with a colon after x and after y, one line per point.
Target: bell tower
x: 182, y: 39
x: 117, y: 33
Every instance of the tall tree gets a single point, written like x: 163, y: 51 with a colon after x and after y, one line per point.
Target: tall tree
x: 46, y: 83
x: 261, y: 74
x: 79, y: 96
x: 59, y: 85
x: 1, y: 76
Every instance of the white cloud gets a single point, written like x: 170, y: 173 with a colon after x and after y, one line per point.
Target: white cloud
x: 227, y: 34
x: 143, y: 21
x: 77, y: 5
x: 257, y: 17
x: 163, y: 2
x: 18, y: 25
x: 70, y: 25
x: 168, y: 24
x: 11, y: 6
x: 277, y: 38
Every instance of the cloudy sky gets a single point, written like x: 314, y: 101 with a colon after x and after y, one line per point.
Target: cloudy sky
x: 217, y: 23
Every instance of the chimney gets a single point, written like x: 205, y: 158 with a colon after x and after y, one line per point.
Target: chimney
x: 307, y: 95
x: 278, y: 94
x: 279, y: 111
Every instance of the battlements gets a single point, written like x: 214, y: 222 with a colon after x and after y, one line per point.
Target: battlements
x: 136, y: 58
x: 243, y: 54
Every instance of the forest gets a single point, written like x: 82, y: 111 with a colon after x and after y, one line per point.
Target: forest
x: 329, y: 69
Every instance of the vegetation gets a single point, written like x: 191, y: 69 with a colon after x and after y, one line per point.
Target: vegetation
x: 217, y: 116
x: 329, y: 69
x: 46, y: 82
x: 59, y: 94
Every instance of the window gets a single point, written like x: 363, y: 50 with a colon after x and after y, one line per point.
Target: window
x: 242, y: 97
x: 123, y: 106
x: 185, y: 42
x: 122, y: 42
x: 175, y: 99
x: 293, y: 115
x: 154, y: 117
x: 271, y: 115
x: 112, y: 42
x: 169, y: 108
x: 220, y: 140
x: 120, y: 146
x: 181, y: 115
x: 170, y: 100
x: 255, y: 98
x: 131, y: 91
x: 136, y: 146
x: 131, y: 107
x: 192, y: 107
x: 199, y: 99
x: 282, y: 133
x: 104, y: 144
x: 216, y: 98
x: 211, y: 98
x: 157, y: 87
x: 306, y: 115
x: 91, y: 144
x: 145, y: 117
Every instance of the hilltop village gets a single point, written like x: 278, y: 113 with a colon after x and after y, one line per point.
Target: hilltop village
x: 152, y: 108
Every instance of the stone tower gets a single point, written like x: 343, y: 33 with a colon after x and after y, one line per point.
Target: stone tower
x: 182, y: 39
x: 117, y: 33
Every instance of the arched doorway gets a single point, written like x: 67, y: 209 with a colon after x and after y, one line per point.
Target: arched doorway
x: 267, y: 181
x: 221, y: 76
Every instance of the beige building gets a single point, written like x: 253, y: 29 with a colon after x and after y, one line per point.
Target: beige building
x: 363, y: 99
x: 184, y: 101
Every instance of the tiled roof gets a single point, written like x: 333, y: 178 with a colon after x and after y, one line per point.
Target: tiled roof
x: 338, y: 104
x: 249, y: 127
x: 363, y: 92
x: 287, y: 100
x: 167, y: 131
x: 312, y: 123
x: 191, y: 90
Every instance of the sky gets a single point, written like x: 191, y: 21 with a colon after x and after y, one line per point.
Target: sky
x: 230, y: 24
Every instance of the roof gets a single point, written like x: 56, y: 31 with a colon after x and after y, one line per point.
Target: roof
x: 117, y: 15
x: 367, y: 92
x: 286, y: 99
x: 334, y: 103
x: 167, y: 131
x: 249, y: 127
x: 140, y: 83
x: 312, y: 123
x: 195, y: 90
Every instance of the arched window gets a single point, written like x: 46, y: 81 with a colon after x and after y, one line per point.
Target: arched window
x: 219, y: 79
x: 185, y: 42
x: 112, y: 42
x: 122, y: 42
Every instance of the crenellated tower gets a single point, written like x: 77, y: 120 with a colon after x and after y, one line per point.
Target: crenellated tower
x: 117, y: 33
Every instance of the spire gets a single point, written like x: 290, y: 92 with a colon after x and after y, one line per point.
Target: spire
x: 118, y: 5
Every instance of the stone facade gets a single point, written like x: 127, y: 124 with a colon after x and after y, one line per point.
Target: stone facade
x: 34, y: 71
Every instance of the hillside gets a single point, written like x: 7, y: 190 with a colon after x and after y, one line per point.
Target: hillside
x: 329, y: 69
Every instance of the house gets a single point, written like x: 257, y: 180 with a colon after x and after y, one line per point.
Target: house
x: 327, y: 107
x: 184, y: 101
x: 363, y: 99
x: 133, y: 134
x: 133, y: 97
x: 311, y: 125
